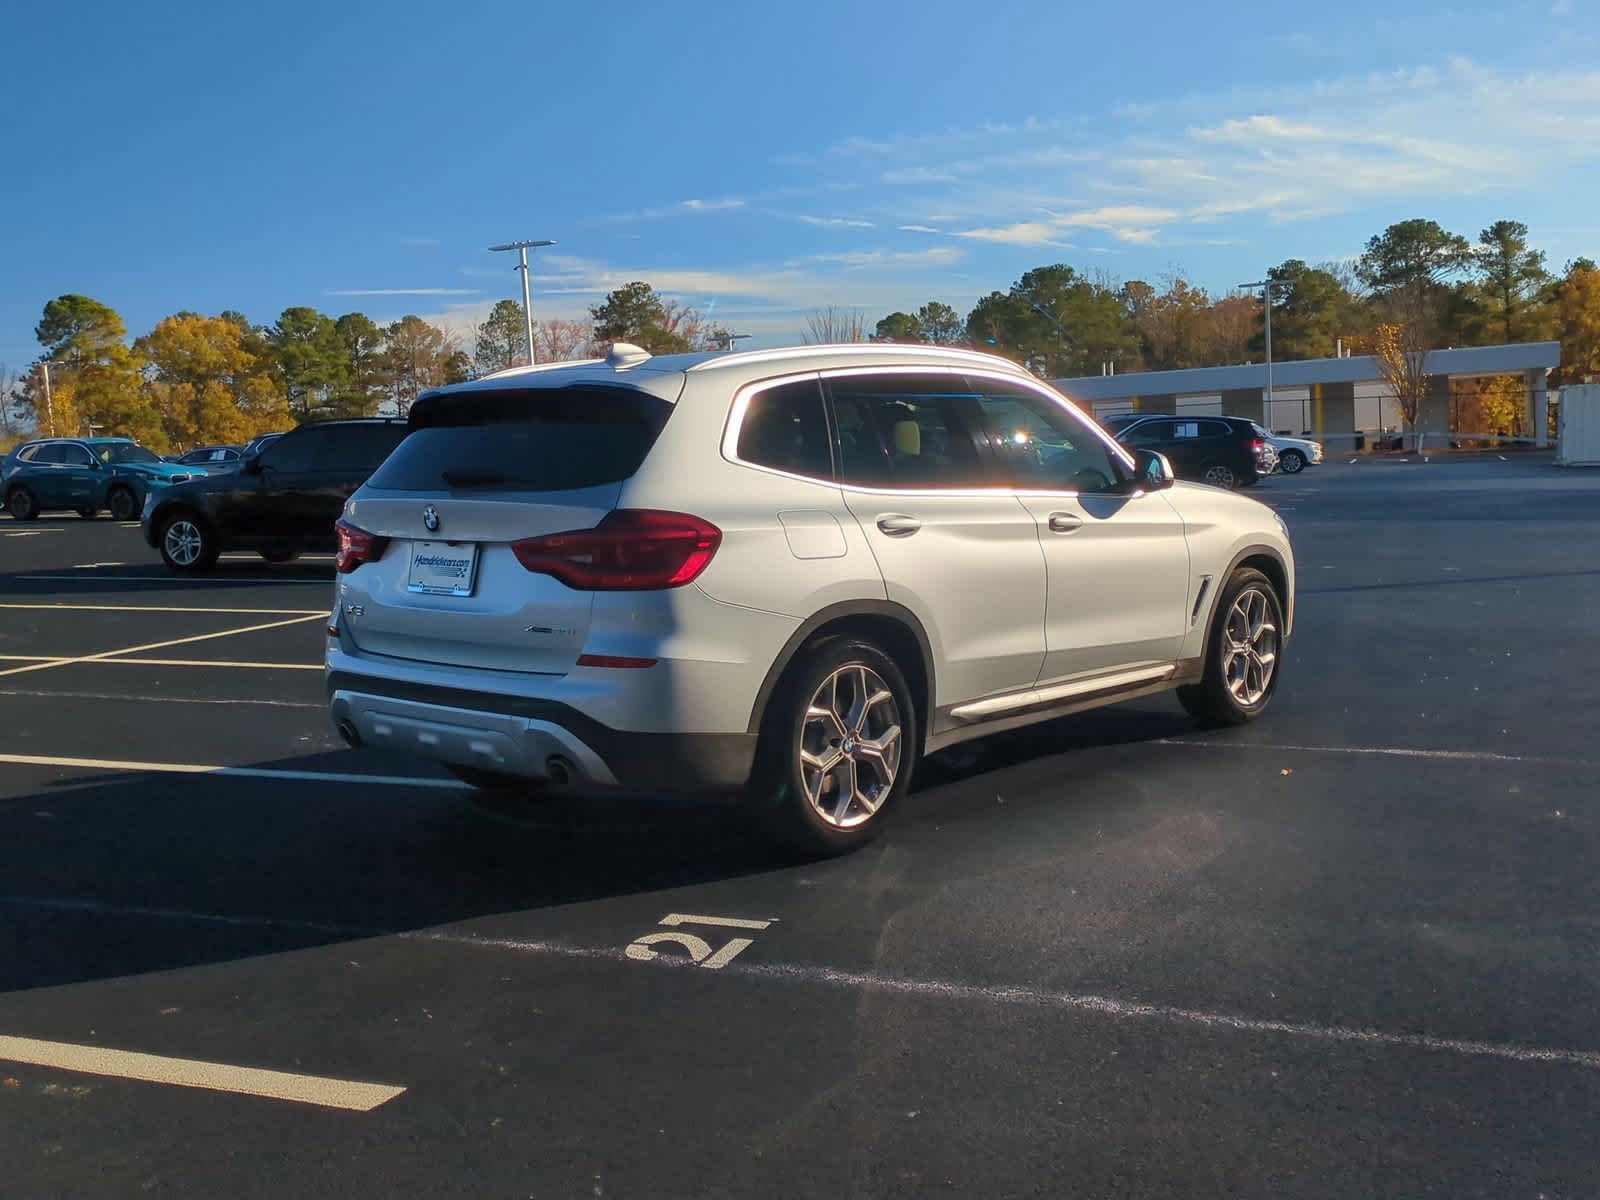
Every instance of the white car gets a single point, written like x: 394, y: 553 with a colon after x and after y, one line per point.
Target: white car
x: 789, y: 572
x: 1294, y: 454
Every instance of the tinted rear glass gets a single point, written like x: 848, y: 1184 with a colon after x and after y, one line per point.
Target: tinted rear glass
x: 524, y: 439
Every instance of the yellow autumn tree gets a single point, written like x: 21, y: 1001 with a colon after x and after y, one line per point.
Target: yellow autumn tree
x: 1578, y: 304
x: 206, y: 384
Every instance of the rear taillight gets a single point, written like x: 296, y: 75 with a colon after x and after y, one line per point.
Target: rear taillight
x: 356, y: 546
x: 1258, y: 445
x: 630, y: 550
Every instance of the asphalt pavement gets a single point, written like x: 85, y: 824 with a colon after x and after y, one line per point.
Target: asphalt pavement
x: 1349, y: 950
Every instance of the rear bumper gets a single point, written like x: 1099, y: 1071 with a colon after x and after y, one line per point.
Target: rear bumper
x: 533, y: 737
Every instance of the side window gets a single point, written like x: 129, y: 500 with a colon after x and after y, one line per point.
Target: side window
x: 1186, y: 431
x: 46, y: 456
x: 75, y: 456
x: 292, y: 454
x: 1215, y: 429
x: 1149, y: 433
x: 786, y: 428
x: 1041, y: 444
x: 908, y: 431
x: 356, y: 450
x: 32, y: 454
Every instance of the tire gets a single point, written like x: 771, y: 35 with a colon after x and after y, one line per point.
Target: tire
x: 1248, y: 602
x: 124, y: 505
x: 818, y: 716
x: 1220, y: 474
x: 188, y: 544
x: 283, y: 556
x: 21, y: 504
x: 1292, y: 462
x: 89, y: 514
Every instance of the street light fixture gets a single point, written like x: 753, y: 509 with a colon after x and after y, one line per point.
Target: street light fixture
x: 734, y: 337
x: 527, y: 302
x: 1265, y: 286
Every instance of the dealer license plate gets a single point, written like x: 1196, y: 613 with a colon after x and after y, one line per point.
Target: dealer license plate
x: 443, y: 568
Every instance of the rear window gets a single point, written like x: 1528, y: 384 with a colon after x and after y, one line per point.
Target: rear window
x: 524, y: 440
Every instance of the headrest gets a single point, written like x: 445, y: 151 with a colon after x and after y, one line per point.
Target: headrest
x: 907, y: 438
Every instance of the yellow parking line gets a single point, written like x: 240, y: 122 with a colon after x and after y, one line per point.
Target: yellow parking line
x: 183, y: 641
x: 62, y: 660
x: 206, y: 662
x: 316, y: 1090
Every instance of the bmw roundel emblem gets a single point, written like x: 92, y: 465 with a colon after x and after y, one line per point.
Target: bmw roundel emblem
x: 430, y: 519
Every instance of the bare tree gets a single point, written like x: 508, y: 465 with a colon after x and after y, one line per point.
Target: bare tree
x: 564, y: 341
x: 1234, y: 321
x: 10, y: 381
x: 832, y: 325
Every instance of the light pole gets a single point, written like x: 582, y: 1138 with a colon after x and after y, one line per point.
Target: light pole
x: 49, y: 407
x: 1061, y: 333
x: 522, y: 249
x: 1266, y: 286
x: 734, y: 337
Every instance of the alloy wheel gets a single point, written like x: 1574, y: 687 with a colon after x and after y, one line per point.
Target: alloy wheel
x: 183, y: 542
x: 1293, y: 462
x: 1219, y: 475
x: 850, y: 746
x: 1250, y: 647
x: 123, y: 505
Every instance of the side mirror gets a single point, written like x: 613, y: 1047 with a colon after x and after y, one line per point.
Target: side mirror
x: 1151, y: 471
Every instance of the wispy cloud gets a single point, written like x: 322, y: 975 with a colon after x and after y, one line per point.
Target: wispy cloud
x: 835, y: 222
x: 704, y: 206
x: 1023, y: 233
x: 684, y: 208
x: 934, y: 256
x: 919, y: 229
x: 421, y: 291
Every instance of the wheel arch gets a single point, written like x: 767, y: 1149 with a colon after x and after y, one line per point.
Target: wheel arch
x: 890, y: 626
x: 1269, y: 561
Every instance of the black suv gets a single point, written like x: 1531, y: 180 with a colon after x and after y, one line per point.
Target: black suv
x: 279, y: 503
x: 1227, y: 452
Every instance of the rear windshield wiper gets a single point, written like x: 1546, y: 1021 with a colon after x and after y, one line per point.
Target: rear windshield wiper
x: 472, y: 479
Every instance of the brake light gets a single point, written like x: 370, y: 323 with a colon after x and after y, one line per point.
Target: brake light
x: 1258, y: 445
x: 630, y: 550
x: 356, y: 546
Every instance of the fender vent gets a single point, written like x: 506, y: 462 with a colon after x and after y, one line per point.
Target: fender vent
x: 1200, y: 599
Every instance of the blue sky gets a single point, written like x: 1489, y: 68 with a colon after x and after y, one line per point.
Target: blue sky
x: 759, y: 160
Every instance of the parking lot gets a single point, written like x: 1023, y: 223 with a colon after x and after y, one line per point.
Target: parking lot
x: 1348, y: 950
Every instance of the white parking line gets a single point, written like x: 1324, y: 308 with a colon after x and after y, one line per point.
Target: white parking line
x: 993, y: 995
x: 316, y: 1090
x: 156, y: 768
x: 1480, y: 756
x: 183, y: 641
x: 165, y: 608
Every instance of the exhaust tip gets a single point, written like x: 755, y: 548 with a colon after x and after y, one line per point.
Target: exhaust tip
x: 347, y: 731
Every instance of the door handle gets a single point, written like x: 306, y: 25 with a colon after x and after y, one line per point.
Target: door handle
x: 899, y: 526
x: 1061, y: 522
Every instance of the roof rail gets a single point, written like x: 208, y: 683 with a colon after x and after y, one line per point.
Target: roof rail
x: 937, y: 353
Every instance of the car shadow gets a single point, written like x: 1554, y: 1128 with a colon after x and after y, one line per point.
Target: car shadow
x: 114, y: 875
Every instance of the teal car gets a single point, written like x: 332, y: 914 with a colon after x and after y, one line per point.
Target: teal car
x: 86, y: 476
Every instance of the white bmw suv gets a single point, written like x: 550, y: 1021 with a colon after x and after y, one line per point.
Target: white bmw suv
x: 792, y: 572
